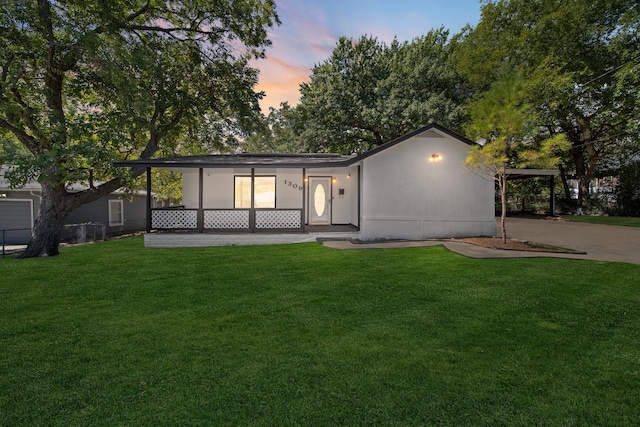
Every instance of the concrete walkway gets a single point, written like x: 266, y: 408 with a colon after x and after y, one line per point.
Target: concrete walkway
x: 600, y: 242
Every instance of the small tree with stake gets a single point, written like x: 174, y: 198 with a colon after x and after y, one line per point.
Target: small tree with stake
x: 503, y: 119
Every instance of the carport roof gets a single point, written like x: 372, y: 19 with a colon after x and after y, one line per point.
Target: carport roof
x: 530, y: 173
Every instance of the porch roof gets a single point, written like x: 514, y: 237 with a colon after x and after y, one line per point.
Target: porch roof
x: 246, y: 160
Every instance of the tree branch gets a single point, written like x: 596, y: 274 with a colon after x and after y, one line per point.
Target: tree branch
x: 173, y: 123
x: 27, y: 113
x: 142, y: 10
x: 27, y: 140
x: 94, y: 193
x: 171, y: 30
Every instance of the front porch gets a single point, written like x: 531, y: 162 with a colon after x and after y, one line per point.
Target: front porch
x: 257, y: 199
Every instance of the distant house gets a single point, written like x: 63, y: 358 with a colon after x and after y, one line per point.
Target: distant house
x: 110, y: 215
x: 415, y: 187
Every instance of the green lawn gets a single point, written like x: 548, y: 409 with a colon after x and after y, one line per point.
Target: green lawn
x: 629, y: 221
x: 114, y: 334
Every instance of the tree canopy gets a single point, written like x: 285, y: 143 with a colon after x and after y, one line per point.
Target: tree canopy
x: 84, y: 83
x: 368, y: 93
x: 578, y: 58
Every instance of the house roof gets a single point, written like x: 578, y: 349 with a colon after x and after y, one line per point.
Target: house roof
x: 280, y: 160
x: 244, y: 160
x: 310, y: 160
x: 34, y: 186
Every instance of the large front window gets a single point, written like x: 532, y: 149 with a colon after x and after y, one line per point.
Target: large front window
x: 264, y: 192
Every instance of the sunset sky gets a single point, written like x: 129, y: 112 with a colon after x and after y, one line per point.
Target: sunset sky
x: 311, y: 28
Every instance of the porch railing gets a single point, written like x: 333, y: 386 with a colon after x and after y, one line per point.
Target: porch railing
x: 174, y: 219
x: 247, y: 220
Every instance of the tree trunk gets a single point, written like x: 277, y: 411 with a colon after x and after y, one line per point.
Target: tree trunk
x: 585, y: 157
x: 565, y: 183
x: 55, y: 205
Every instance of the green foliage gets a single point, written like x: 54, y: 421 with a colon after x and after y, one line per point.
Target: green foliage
x: 502, y: 118
x: 84, y: 83
x: 416, y: 337
x: 277, y: 133
x: 528, y: 195
x: 546, y: 154
x: 578, y: 59
x: 368, y: 93
x: 629, y: 189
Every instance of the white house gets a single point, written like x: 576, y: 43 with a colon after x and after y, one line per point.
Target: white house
x: 415, y: 187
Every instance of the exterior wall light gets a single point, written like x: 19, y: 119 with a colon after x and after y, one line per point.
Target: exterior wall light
x: 435, y: 158
x: 333, y: 179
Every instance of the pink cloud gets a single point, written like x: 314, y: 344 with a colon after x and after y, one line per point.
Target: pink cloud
x: 303, y: 40
x: 280, y: 80
x: 310, y: 30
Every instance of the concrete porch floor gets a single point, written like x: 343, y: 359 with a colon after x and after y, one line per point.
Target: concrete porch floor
x: 188, y: 240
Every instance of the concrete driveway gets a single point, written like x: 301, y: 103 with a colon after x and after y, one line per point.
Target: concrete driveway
x: 600, y: 242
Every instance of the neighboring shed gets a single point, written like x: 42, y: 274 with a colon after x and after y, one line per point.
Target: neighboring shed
x: 109, y: 215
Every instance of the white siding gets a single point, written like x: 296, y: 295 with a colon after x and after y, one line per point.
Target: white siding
x: 408, y: 196
x: 190, y: 186
x: 289, y: 189
x: 218, y: 188
x: 344, y: 208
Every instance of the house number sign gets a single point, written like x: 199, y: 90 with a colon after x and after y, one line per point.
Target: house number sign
x: 292, y: 184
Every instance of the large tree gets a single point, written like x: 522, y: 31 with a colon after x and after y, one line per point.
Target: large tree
x: 83, y: 83
x: 275, y: 133
x: 368, y: 93
x: 576, y: 56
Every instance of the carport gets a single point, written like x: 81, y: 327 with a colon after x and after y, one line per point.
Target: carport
x: 514, y: 174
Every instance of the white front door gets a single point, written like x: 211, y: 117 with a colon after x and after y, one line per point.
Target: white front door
x: 319, y: 200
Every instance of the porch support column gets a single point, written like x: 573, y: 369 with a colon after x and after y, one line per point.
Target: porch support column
x: 552, y: 197
x: 200, y: 200
x: 148, y: 219
x: 303, y: 214
x: 252, y: 209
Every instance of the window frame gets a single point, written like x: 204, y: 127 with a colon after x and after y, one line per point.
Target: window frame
x: 253, y: 191
x: 113, y: 211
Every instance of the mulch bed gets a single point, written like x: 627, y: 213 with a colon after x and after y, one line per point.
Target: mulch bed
x: 516, y: 245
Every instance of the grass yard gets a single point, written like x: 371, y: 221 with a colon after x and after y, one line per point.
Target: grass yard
x: 114, y: 334
x: 628, y: 221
